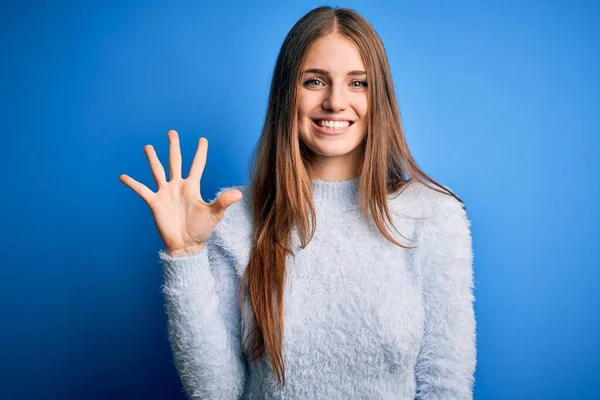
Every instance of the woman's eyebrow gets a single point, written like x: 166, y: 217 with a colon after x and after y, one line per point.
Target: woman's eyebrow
x: 324, y: 72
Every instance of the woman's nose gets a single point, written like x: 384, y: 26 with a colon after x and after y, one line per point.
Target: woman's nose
x: 336, y: 99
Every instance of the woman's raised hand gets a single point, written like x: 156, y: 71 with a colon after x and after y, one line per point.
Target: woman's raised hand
x: 183, y: 219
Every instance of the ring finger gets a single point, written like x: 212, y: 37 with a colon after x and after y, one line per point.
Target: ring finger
x: 157, y: 169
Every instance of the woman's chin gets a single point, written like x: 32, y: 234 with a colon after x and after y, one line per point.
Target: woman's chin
x: 332, y: 151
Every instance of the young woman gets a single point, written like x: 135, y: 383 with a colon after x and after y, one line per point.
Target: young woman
x: 338, y: 272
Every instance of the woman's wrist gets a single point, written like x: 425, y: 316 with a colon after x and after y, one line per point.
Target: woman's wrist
x: 196, y: 248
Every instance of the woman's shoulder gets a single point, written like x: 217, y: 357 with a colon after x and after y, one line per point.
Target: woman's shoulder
x: 420, y: 200
x: 439, y: 215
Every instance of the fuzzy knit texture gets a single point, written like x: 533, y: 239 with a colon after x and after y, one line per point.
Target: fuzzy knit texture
x: 364, y: 318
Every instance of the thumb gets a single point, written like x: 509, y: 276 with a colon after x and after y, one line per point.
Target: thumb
x: 224, y: 201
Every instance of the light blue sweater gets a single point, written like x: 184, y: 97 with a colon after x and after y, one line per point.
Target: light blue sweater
x: 364, y: 318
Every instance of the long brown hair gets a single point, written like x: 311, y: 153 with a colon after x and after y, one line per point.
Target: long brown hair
x: 281, y: 185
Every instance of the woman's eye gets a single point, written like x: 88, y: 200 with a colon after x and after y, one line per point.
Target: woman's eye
x: 316, y: 82
x: 359, y: 84
x: 313, y: 82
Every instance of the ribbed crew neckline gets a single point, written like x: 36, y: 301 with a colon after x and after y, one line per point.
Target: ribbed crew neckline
x: 342, y: 192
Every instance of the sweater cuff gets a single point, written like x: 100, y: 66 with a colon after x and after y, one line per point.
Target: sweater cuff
x: 184, y: 270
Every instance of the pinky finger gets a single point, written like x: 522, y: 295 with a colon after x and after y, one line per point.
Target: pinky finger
x: 141, y: 189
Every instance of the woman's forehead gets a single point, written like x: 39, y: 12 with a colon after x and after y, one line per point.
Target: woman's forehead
x: 334, y: 55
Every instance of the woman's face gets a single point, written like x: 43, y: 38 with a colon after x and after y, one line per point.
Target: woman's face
x: 333, y: 107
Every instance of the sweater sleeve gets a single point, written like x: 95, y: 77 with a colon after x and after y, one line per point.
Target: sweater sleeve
x: 204, y: 322
x: 446, y: 362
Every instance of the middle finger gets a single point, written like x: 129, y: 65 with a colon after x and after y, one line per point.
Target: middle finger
x: 174, y: 155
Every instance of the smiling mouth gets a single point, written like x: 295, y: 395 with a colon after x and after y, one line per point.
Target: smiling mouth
x: 331, y: 124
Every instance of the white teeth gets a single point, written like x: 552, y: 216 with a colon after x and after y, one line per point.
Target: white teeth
x: 334, y: 124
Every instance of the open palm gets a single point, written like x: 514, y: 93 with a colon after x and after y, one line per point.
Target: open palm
x: 184, y: 221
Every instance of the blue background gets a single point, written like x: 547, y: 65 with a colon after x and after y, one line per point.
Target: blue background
x: 499, y: 101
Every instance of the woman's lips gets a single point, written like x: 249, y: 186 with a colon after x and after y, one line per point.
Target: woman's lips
x: 330, y: 131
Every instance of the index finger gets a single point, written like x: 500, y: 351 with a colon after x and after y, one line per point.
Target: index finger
x: 199, y: 161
